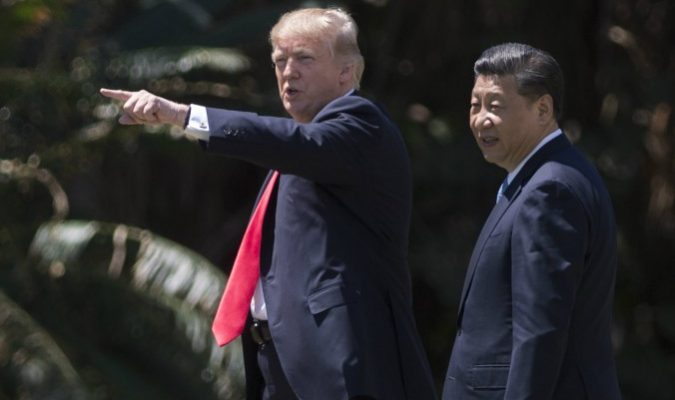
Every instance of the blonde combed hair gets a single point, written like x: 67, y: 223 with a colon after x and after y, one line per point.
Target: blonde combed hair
x: 333, y: 26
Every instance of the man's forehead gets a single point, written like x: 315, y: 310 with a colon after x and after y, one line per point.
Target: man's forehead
x: 496, y: 84
x: 298, y: 44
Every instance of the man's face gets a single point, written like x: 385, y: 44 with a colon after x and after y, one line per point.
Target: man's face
x: 505, y: 124
x: 308, y: 76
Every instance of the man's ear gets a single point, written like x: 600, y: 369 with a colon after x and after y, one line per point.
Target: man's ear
x: 346, y: 73
x: 545, y: 110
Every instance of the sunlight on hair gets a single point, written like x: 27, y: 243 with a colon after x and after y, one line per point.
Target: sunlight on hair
x: 333, y: 26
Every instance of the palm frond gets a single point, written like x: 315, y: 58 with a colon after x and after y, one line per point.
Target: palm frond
x: 32, y: 365
x: 102, y: 270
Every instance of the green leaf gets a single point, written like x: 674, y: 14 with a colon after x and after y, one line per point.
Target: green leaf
x: 32, y: 366
x: 139, y: 295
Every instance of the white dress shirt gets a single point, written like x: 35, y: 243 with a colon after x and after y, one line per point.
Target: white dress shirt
x: 198, y: 123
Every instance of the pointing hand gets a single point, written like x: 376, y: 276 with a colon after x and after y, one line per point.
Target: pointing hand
x: 143, y: 107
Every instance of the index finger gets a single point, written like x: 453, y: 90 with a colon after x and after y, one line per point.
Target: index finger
x: 122, y: 95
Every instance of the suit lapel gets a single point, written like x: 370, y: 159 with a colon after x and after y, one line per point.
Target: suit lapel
x: 262, y: 188
x: 532, y: 165
x: 500, y: 208
x: 495, y: 215
x: 268, y: 224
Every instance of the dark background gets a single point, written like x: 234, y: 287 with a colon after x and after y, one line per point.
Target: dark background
x: 56, y: 132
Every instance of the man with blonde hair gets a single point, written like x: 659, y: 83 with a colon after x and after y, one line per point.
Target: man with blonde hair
x: 328, y: 311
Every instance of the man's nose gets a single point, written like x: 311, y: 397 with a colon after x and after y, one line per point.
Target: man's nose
x: 482, y: 119
x: 290, y: 69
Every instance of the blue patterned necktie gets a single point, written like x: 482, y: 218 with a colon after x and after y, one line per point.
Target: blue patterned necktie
x: 502, y: 189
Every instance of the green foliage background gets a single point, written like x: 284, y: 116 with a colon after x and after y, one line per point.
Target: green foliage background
x: 62, y: 156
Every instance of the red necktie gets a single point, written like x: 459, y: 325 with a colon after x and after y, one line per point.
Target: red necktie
x: 236, y: 301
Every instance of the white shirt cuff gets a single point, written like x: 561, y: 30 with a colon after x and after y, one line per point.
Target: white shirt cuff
x: 198, y: 124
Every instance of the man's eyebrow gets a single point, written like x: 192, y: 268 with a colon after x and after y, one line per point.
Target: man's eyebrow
x: 301, y: 51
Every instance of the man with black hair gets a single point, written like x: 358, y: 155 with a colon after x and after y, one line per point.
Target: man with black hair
x: 535, y: 313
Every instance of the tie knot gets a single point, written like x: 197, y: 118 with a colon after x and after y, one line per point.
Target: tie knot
x: 502, y: 188
x: 504, y: 185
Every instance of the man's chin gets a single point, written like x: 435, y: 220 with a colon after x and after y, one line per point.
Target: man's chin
x: 491, y: 159
x: 488, y: 157
x: 298, y: 116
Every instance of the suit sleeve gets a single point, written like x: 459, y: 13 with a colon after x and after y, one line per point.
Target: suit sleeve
x: 335, y: 148
x: 549, y: 242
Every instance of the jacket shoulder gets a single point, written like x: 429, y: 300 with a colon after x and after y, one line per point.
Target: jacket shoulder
x: 353, y: 105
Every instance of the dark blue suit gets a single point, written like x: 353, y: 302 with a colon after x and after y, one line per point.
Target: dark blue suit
x: 333, y: 269
x: 535, y: 313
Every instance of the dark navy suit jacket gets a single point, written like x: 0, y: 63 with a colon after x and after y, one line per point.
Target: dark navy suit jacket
x: 535, y: 313
x: 333, y: 269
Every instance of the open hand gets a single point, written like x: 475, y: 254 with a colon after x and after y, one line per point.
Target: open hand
x: 143, y: 107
